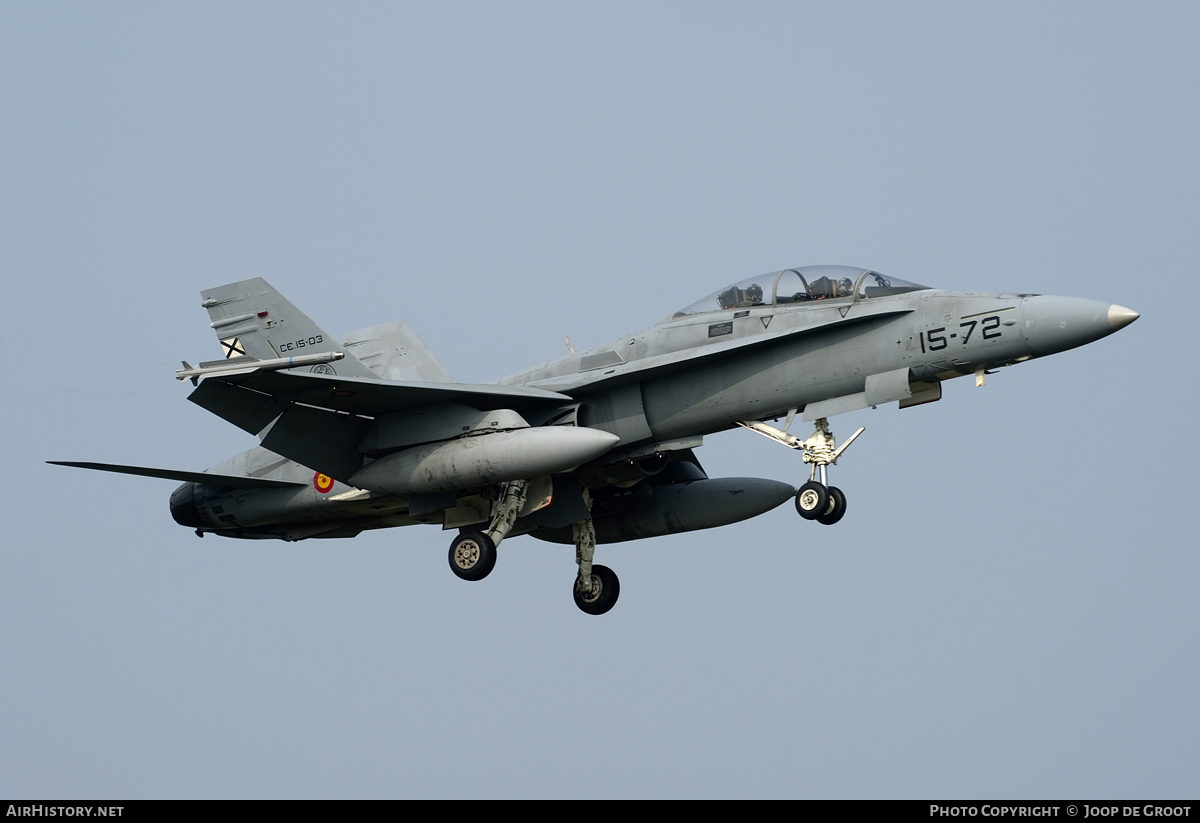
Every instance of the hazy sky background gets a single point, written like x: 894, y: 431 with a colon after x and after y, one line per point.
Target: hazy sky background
x: 1009, y: 608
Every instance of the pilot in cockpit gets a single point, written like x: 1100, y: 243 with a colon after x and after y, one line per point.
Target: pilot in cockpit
x: 824, y: 288
x: 735, y: 298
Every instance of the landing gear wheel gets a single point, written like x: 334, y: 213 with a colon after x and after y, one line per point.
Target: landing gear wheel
x: 836, y: 509
x: 472, y: 556
x: 812, y: 500
x: 605, y: 589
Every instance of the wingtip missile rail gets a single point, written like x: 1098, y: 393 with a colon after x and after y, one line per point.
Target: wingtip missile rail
x: 246, y: 365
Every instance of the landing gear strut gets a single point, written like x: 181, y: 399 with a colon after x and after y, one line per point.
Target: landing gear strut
x: 473, y: 554
x: 816, y: 500
x: 596, y: 586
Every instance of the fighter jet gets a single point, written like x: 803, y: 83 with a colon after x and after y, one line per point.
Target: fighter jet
x: 371, y: 431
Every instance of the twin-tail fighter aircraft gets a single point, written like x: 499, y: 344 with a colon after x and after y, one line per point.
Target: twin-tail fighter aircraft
x: 599, y: 446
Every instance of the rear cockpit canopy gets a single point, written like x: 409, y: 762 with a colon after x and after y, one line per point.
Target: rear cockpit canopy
x: 801, y: 285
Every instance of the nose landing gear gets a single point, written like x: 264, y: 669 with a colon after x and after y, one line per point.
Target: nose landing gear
x: 815, y: 500
x: 812, y: 500
x: 836, y: 509
x: 825, y: 504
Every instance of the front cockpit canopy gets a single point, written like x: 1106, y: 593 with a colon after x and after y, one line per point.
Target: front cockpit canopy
x: 801, y: 285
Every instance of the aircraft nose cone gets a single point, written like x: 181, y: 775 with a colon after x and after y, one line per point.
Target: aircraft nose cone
x: 1052, y: 324
x: 1119, y: 317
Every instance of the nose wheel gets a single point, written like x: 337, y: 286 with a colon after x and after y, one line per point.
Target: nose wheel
x: 812, y: 500
x: 815, y: 500
x: 836, y: 508
x: 825, y: 504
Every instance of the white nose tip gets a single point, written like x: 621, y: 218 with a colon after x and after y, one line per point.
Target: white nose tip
x: 1119, y: 317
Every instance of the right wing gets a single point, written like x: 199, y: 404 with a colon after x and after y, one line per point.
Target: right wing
x: 318, y: 415
x: 251, y: 401
x: 254, y: 321
x: 319, y: 420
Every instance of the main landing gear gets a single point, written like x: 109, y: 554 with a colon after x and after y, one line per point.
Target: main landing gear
x: 596, y: 586
x: 816, y: 500
x: 473, y: 554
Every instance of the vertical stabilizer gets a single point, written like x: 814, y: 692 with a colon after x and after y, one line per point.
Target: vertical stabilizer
x: 252, y: 319
x: 395, y: 352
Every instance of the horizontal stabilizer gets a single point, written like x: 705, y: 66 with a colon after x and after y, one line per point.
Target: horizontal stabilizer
x: 230, y: 480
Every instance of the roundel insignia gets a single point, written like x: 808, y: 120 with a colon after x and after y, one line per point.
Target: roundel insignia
x: 322, y: 482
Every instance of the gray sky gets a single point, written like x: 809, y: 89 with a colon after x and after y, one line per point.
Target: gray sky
x: 1009, y: 608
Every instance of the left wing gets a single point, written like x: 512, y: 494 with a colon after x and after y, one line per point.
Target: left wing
x: 230, y: 480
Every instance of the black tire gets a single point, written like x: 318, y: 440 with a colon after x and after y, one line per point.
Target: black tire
x: 812, y: 500
x: 472, y: 556
x: 836, y: 508
x: 602, y: 598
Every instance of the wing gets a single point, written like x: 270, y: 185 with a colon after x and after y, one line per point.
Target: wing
x: 320, y: 420
x: 233, y: 481
x: 251, y: 401
x: 318, y: 416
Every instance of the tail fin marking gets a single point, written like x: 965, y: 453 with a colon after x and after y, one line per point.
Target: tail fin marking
x: 252, y: 319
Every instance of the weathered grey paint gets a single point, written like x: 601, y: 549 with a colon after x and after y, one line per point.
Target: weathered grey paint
x: 619, y: 411
x: 393, y: 351
x: 484, y: 459
x: 653, y: 392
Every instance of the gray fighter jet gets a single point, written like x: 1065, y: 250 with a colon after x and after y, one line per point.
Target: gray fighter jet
x: 596, y: 447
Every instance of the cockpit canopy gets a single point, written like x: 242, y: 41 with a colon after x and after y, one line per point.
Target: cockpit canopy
x: 801, y: 285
